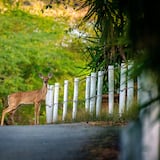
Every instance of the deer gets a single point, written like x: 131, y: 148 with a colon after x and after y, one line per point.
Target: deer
x: 15, y: 100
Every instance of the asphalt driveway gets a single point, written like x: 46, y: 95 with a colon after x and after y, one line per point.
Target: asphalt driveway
x: 46, y: 142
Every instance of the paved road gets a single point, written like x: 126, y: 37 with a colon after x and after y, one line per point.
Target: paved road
x: 46, y: 142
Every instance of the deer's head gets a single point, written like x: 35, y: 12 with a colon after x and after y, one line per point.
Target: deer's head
x: 45, y: 78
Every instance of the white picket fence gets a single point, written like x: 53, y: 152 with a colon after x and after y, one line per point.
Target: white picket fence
x: 93, y: 94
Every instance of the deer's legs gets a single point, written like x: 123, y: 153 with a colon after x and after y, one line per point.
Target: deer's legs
x: 37, y: 111
x: 5, y: 111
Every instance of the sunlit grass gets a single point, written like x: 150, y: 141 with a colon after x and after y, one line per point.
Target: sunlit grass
x: 103, y: 119
x: 114, y: 119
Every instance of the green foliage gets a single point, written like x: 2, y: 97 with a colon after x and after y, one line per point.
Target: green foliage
x: 111, y: 44
x: 31, y: 44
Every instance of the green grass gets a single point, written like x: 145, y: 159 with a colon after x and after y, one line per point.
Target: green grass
x: 104, y: 118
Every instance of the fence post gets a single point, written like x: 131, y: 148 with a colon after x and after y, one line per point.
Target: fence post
x: 65, y: 100
x: 122, y: 94
x: 99, y: 93
x: 87, y: 93
x: 75, y: 98
x: 55, y: 108
x: 49, y: 104
x: 130, y: 87
x: 92, y: 92
x: 111, y: 88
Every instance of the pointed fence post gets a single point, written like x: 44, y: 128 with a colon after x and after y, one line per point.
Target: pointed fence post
x: 49, y: 104
x: 92, y: 92
x: 65, y: 100
x: 122, y: 94
x: 75, y: 98
x: 111, y: 88
x: 99, y: 93
x: 130, y: 87
x: 55, y: 105
x: 87, y: 93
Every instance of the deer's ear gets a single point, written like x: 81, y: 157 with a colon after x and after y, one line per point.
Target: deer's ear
x: 50, y: 75
x: 40, y: 75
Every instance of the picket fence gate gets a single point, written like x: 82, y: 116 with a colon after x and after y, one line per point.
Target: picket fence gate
x: 93, y: 94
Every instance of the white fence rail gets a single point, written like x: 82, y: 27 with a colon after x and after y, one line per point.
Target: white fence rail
x: 93, y: 94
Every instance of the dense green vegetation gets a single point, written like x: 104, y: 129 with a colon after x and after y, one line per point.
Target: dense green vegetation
x: 36, y: 36
x: 31, y: 44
